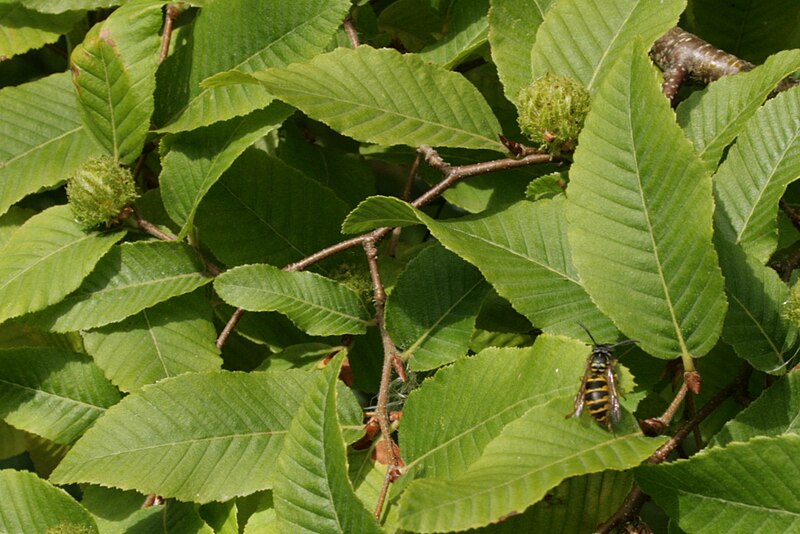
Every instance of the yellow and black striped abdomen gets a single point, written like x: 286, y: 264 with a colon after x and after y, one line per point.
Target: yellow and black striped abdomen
x: 597, y: 398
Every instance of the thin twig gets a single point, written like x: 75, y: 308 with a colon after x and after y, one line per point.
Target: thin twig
x: 452, y: 175
x: 792, y: 213
x: 636, y: 497
x: 229, y: 327
x: 412, y: 174
x: 350, y: 30
x: 151, y: 228
x: 173, y: 10
x: 389, y: 353
x: 669, y: 413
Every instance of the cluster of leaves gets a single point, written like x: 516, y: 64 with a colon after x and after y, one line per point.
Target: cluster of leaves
x: 265, y: 136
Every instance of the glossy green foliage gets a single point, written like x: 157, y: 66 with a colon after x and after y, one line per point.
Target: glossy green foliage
x: 168, y: 339
x: 30, y: 504
x: 261, y: 34
x: 53, y: 393
x: 194, y: 161
x: 210, y: 360
x: 480, y: 466
x: 512, y: 32
x: 130, y: 278
x: 114, y: 75
x: 53, y: 144
x: 582, y: 38
x: 640, y: 225
x: 312, y: 490
x: 720, y: 489
x: 30, y: 263
x: 438, y: 331
x: 314, y: 303
x: 400, y: 99
x: 196, y: 454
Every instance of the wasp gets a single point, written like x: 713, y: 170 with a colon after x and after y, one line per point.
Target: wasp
x: 598, y: 391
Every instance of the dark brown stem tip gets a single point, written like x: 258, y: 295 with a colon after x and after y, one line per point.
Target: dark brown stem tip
x: 514, y: 148
x: 653, y: 426
x: 693, y: 380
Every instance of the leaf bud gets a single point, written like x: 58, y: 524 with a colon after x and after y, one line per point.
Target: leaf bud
x: 552, y: 110
x: 100, y: 192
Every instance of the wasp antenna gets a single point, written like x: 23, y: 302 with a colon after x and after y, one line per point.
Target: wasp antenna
x: 624, y: 342
x: 588, y: 333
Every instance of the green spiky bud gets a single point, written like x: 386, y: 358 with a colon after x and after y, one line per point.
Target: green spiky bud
x: 551, y: 112
x: 791, y: 308
x: 100, y: 192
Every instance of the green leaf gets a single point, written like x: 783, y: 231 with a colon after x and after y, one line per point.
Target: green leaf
x: 54, y: 393
x: 380, y: 212
x: 774, y: 413
x: 31, y: 504
x: 52, y: 144
x: 32, y: 276
x: 282, y: 216
x: 517, y: 469
x: 415, y: 23
x: 348, y: 175
x: 512, y: 33
x: 312, y: 491
x: 171, y: 338
x: 221, y: 516
x: 197, y: 437
x: 596, y: 496
x: 121, y: 512
x: 754, y: 176
x: 755, y: 325
x: 60, y: 6
x: 640, y: 224
x: 751, y: 31
x: 130, y: 278
x: 381, y: 96
x: 12, y: 441
x: 467, y: 30
x: 713, y: 118
x: 194, y: 161
x: 271, y: 33
x: 113, y: 70
x: 316, y: 304
x: 22, y: 29
x: 725, y: 490
x: 584, y: 38
x: 499, y: 386
x: 522, y: 252
x: 512, y: 445
x: 432, y: 308
x: 11, y: 221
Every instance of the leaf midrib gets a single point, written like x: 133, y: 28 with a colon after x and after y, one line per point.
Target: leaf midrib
x: 52, y: 394
x: 559, y: 392
x: 427, y: 332
x: 297, y: 300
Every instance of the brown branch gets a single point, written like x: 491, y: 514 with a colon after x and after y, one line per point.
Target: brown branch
x: 229, y: 327
x: 452, y: 175
x: 156, y: 232
x: 684, y: 56
x: 350, y: 30
x: 172, y: 12
x: 790, y: 212
x: 412, y: 174
x: 389, y: 355
x: 151, y: 228
x: 636, y: 497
